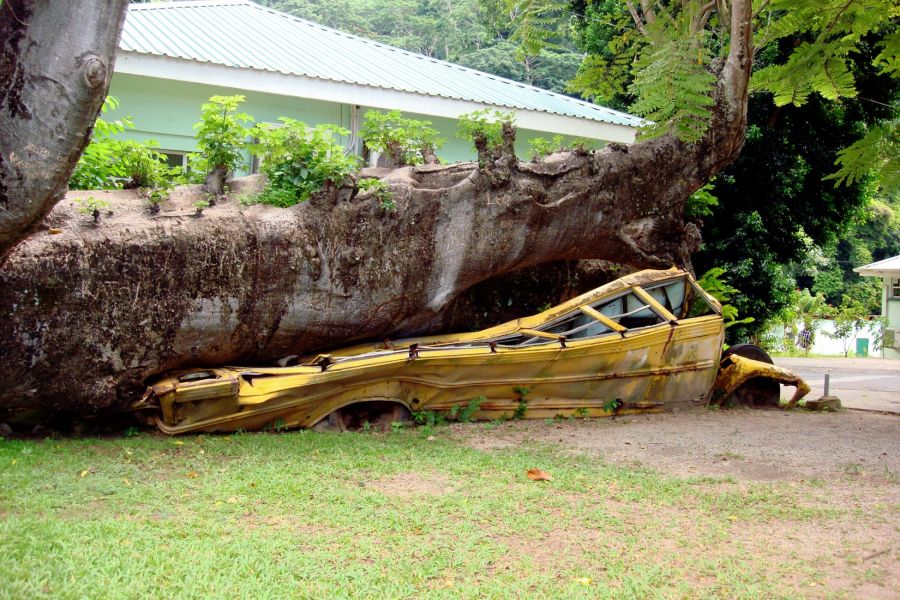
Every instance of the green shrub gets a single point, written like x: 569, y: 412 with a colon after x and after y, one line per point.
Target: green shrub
x: 299, y: 160
x: 465, y: 413
x: 98, y: 167
x: 221, y: 134
x: 197, y: 168
x: 144, y: 167
x: 380, y: 191
x: 486, y: 124
x: 541, y: 147
x: 522, y: 397
x: 405, y: 141
x: 109, y: 164
x: 155, y: 197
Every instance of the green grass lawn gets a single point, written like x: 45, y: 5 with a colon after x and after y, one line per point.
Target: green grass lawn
x: 397, y: 515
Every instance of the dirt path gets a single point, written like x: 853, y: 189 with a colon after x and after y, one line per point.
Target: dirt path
x: 748, y: 445
x: 848, y: 460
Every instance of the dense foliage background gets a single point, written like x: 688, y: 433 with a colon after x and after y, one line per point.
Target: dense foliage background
x: 472, y: 33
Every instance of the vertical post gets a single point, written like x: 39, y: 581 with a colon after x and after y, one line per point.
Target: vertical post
x: 355, y: 126
x: 827, y: 381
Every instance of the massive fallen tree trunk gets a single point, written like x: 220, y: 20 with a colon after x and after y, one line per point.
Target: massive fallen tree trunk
x: 88, y: 312
x: 91, y: 311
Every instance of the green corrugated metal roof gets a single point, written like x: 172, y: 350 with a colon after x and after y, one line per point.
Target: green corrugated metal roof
x: 241, y: 34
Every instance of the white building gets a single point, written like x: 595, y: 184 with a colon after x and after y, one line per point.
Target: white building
x: 889, y: 271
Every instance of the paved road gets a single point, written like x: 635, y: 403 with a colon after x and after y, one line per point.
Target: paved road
x: 861, y: 383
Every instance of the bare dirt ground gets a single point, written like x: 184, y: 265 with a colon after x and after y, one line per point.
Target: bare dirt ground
x: 848, y: 460
x: 749, y: 445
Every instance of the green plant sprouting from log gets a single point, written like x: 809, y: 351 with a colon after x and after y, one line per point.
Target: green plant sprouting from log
x: 484, y: 124
x: 405, y: 141
x: 222, y: 133
x: 299, y: 160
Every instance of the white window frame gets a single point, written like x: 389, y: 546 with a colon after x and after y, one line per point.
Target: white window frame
x: 182, y: 153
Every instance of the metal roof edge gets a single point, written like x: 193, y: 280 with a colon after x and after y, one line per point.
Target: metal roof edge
x: 481, y: 74
x: 890, y: 264
x: 126, y: 65
x: 189, y: 4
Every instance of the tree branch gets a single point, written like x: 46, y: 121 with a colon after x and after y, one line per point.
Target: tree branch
x: 761, y: 8
x: 648, y: 11
x: 637, y: 18
x: 56, y: 60
x: 740, y: 52
x: 706, y: 12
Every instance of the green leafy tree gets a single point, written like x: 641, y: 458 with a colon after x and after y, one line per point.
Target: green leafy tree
x: 850, y: 317
x: 221, y: 138
x: 444, y: 29
x: 777, y: 207
x: 774, y: 205
x: 662, y: 55
x: 472, y: 33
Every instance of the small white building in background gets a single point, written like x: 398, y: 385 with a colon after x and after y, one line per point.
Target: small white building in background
x: 860, y: 343
x: 889, y: 271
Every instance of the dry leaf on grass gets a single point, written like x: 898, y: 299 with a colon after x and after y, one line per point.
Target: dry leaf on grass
x: 539, y: 475
x: 193, y: 474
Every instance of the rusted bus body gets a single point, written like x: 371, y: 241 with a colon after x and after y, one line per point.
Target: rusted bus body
x: 637, y: 344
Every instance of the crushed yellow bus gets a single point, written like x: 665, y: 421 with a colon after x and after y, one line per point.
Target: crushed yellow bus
x: 647, y: 342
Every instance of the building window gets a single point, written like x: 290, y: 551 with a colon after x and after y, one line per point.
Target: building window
x: 895, y: 288
x: 174, y: 158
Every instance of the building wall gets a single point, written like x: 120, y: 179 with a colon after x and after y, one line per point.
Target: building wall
x: 166, y: 111
x: 891, y: 310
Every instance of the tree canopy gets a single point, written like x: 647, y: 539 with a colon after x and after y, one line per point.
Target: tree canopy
x: 473, y: 33
x: 820, y: 160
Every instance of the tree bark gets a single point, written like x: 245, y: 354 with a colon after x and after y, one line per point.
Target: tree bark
x: 88, y: 314
x: 215, y: 181
x: 55, y: 65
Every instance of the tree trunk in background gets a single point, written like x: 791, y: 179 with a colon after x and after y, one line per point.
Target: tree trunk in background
x: 56, y: 61
x: 88, y: 314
